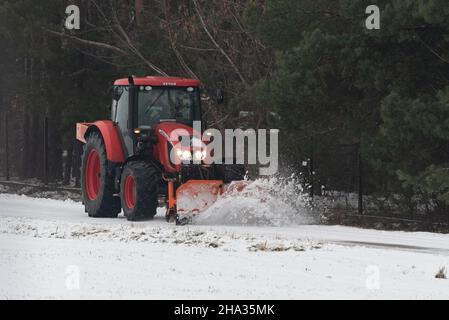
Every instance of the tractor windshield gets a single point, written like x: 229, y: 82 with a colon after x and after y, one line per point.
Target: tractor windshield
x: 156, y: 104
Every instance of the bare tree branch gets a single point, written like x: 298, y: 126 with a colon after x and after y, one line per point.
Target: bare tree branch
x: 173, y: 45
x: 133, y: 48
x: 88, y: 42
x: 197, y: 49
x: 203, y: 24
x: 436, y: 54
x: 247, y: 33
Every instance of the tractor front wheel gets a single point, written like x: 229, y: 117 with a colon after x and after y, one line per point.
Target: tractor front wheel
x: 97, y: 179
x: 139, y: 190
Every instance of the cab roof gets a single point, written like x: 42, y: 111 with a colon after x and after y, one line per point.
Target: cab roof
x: 159, y: 81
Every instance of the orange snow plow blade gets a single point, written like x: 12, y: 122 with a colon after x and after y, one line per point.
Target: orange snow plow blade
x: 195, y: 196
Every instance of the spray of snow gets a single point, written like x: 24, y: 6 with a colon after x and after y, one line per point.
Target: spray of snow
x: 271, y: 201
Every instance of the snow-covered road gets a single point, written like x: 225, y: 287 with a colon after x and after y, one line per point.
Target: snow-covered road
x: 51, y: 249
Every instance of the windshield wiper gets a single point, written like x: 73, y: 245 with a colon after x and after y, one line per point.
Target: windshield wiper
x: 152, y: 104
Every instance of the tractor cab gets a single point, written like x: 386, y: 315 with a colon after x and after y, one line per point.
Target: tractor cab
x: 151, y: 100
x: 141, y: 104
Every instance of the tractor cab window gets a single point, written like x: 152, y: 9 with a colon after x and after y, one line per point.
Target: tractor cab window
x: 156, y: 104
x: 117, y: 92
x: 121, y: 112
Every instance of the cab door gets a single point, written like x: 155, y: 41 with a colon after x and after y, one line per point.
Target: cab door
x: 122, y: 117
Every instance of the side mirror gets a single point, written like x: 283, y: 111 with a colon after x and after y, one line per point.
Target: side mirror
x: 220, y: 96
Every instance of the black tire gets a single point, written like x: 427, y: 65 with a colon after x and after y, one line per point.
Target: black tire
x: 146, y: 179
x: 105, y: 204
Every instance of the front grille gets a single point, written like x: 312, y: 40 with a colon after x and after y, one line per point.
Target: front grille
x: 197, y: 172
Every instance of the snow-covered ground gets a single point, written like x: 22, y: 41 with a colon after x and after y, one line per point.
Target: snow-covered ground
x: 51, y: 249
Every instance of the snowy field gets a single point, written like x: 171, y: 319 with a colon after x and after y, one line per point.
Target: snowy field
x: 51, y: 249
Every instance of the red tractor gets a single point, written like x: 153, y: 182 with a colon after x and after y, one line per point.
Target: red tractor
x: 126, y: 161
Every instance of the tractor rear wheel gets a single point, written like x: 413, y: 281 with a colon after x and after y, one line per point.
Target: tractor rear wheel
x: 139, y: 188
x: 97, y: 180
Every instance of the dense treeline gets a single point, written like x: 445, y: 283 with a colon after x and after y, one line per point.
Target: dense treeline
x: 310, y: 68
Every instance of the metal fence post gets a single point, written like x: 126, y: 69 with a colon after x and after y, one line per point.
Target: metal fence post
x: 45, y: 150
x: 360, y: 204
x: 312, y: 177
x: 6, y: 146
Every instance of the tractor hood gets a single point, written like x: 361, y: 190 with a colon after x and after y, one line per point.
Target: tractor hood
x: 168, y: 134
x: 173, y: 130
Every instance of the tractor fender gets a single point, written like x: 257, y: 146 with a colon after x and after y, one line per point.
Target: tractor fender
x: 111, y: 138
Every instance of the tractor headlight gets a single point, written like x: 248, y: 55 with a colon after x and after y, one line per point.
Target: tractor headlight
x: 184, y: 155
x: 199, y: 155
